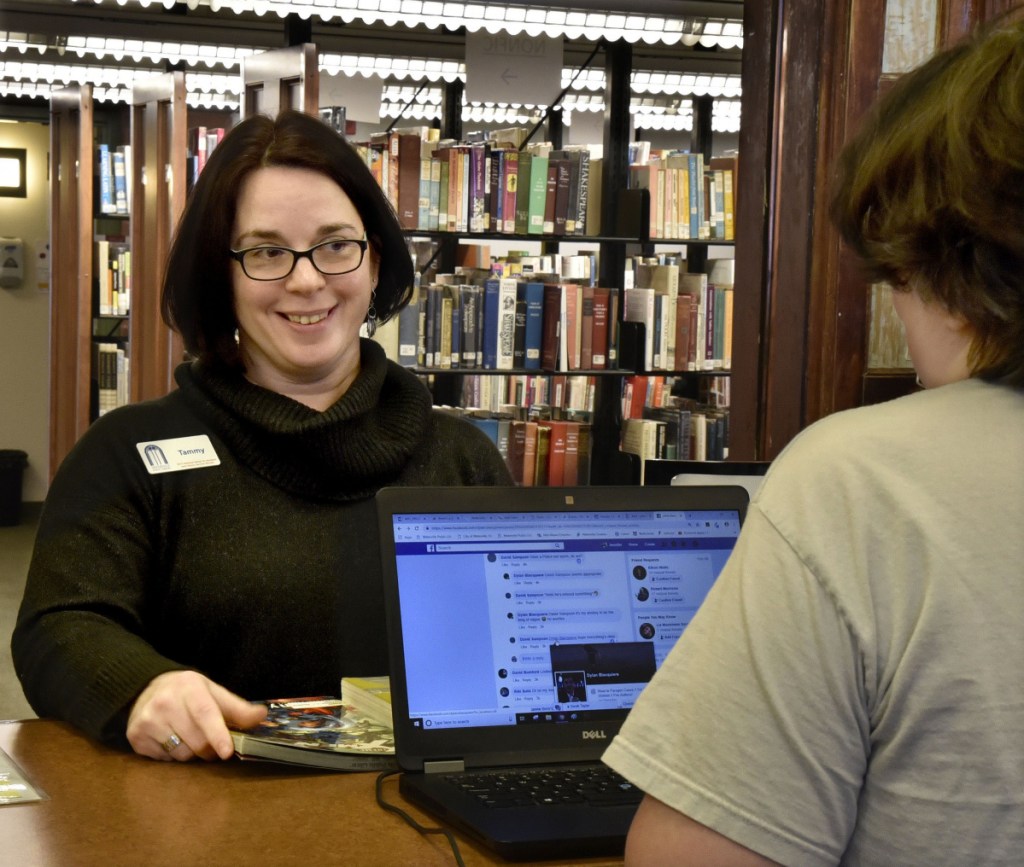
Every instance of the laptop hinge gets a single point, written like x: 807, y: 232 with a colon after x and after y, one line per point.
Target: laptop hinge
x: 444, y: 766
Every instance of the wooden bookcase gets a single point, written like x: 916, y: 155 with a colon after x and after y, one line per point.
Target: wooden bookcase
x: 158, y: 121
x: 158, y: 131
x: 71, y: 214
x: 620, y: 238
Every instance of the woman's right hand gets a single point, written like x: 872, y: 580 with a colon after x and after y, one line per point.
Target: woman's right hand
x: 182, y: 715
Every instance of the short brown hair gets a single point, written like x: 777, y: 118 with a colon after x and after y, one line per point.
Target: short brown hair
x: 930, y: 192
x: 197, y: 292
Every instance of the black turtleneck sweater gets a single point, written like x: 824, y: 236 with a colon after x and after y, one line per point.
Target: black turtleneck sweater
x: 262, y: 572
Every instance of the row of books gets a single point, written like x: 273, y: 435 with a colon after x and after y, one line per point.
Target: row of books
x: 682, y: 432
x: 112, y: 374
x: 530, y: 396
x: 200, y: 142
x: 511, y: 323
x: 688, y: 197
x: 675, y: 418
x: 640, y: 392
x: 687, y: 317
x: 543, y: 452
x: 486, y: 186
x: 114, y: 167
x: 113, y: 279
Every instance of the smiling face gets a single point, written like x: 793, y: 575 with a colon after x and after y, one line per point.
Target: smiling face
x: 299, y: 335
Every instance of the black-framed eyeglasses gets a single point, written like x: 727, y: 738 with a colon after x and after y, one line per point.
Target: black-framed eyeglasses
x: 272, y: 262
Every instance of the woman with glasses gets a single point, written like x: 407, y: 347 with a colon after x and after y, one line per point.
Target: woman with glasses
x: 218, y: 546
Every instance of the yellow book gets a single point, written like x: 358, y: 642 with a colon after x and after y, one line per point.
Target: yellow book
x: 371, y: 696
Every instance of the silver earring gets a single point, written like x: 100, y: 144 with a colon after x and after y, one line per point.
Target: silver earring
x: 371, y: 313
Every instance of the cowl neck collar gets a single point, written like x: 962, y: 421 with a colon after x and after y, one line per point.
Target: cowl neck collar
x: 346, y: 452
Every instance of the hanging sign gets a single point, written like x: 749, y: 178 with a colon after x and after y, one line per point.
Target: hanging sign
x: 501, y: 67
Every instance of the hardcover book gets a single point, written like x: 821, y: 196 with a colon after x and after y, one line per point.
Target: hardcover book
x: 319, y: 732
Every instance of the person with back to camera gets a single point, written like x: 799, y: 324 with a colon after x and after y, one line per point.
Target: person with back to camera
x: 852, y: 689
x: 156, y: 601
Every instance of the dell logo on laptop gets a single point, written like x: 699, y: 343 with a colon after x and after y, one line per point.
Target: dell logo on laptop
x: 595, y: 734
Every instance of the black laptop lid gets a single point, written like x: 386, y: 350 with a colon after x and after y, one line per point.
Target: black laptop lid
x: 524, y: 622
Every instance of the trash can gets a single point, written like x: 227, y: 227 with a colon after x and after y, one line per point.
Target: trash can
x: 12, y: 470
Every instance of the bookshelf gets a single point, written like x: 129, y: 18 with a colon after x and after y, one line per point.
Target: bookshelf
x: 158, y: 142
x: 155, y: 126
x: 626, y: 226
x: 71, y: 209
x: 275, y: 79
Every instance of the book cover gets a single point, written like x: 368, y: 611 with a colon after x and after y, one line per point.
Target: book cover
x: 409, y: 332
x: 538, y: 192
x: 572, y: 325
x: 530, y: 454
x: 506, y: 323
x: 106, y: 171
x: 489, y: 334
x: 582, y: 195
x: 120, y: 175
x: 469, y: 302
x: 533, y: 295
x: 551, y: 326
x: 370, y: 696
x: 510, y: 184
x: 431, y: 334
x: 519, y: 341
x: 543, y: 452
x: 517, y: 449
x: 564, y: 216
x: 557, y: 452
x: 551, y: 198
x: 599, y: 338
x: 639, y: 307
x: 571, y: 470
x: 495, y: 190
x: 477, y: 186
x: 103, y: 287
x: 587, y: 328
x: 408, y: 147
x: 685, y: 344
x: 523, y: 182
x: 595, y: 188
x: 320, y: 732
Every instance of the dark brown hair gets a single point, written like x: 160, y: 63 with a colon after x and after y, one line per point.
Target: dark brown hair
x: 197, y: 291
x: 930, y: 192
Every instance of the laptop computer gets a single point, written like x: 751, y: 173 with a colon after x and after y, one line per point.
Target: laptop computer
x: 522, y: 625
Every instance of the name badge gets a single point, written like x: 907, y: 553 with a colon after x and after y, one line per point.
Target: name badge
x: 174, y: 455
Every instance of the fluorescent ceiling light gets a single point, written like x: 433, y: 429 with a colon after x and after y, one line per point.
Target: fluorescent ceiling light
x: 578, y: 23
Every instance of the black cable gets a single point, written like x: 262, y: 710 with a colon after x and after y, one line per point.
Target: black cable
x: 557, y: 101
x: 405, y: 107
x: 423, y: 829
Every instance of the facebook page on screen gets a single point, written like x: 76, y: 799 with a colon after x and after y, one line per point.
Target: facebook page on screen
x: 511, y: 618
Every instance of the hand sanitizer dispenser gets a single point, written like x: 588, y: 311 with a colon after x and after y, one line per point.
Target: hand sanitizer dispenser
x: 12, y: 262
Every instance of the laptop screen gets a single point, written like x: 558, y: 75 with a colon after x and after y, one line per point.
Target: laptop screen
x: 555, y: 613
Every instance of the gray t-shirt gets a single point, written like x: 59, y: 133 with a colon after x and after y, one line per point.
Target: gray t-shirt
x: 852, y: 691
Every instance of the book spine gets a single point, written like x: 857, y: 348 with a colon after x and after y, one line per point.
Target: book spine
x: 510, y: 190
x: 534, y: 293
x: 506, y: 323
x: 538, y: 194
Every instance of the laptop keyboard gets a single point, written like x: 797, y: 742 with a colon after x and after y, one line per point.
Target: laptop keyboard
x: 599, y: 786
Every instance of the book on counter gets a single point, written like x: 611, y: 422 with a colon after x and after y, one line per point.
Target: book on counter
x: 318, y: 732
x: 370, y: 696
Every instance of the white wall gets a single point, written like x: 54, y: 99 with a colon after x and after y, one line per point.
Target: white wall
x: 24, y: 315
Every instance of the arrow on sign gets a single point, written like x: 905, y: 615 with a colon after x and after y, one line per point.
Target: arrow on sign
x: 508, y: 75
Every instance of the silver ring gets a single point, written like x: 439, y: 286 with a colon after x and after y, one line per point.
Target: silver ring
x: 171, y: 744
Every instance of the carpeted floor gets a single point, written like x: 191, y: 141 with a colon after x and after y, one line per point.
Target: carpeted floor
x: 15, y: 551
